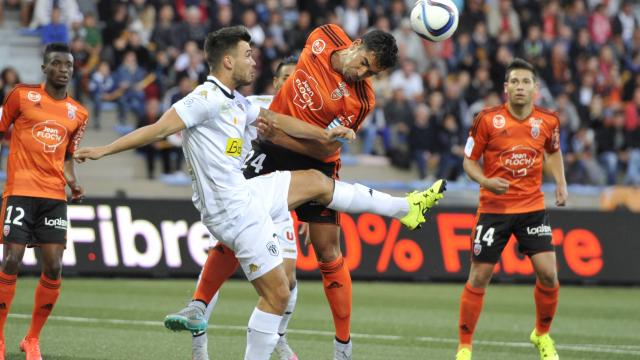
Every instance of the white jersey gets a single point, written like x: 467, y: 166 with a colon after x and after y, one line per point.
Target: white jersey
x: 217, y: 129
x: 262, y: 101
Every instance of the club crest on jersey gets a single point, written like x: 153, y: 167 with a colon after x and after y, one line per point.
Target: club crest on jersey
x: 340, y: 91
x: 34, y: 96
x: 477, y: 248
x: 6, y: 230
x: 498, y: 121
x: 71, y: 111
x: 272, y: 247
x: 318, y: 46
x: 50, y: 134
x: 535, y: 127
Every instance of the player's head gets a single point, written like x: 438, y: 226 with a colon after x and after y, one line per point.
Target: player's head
x: 284, y: 70
x: 520, y: 82
x: 228, y: 50
x: 57, y: 64
x: 376, y: 51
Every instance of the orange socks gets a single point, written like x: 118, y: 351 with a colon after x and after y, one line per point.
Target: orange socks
x: 546, y: 304
x: 337, y: 288
x: 47, y: 293
x: 470, y: 308
x: 220, y: 265
x: 7, y: 291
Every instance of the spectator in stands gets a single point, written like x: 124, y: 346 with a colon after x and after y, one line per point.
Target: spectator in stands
x: 144, y: 24
x: 250, y: 21
x: 101, y: 87
x: 8, y: 80
x: 422, y: 136
x: 632, y: 130
x: 450, y: 142
x: 625, y: 23
x: 192, y: 29
x: 116, y: 24
x: 408, y: 79
x: 352, y: 17
x: 90, y: 33
x: 410, y: 44
x: 170, y: 155
x: 504, y: 19
x: 54, y: 30
x: 610, y: 140
x: 143, y: 55
x: 82, y: 64
x: 69, y: 14
x: 162, y: 36
x: 297, y: 36
x: 397, y: 115
x: 129, y: 77
x: 585, y: 169
x: 599, y: 26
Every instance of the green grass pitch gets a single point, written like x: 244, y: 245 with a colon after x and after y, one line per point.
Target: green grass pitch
x: 122, y: 319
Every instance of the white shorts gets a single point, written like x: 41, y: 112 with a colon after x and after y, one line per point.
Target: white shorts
x: 257, y: 245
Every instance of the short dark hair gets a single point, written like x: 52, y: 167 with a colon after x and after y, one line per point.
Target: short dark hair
x: 219, y: 42
x: 520, y: 64
x: 55, y: 47
x: 383, y: 46
x: 289, y: 60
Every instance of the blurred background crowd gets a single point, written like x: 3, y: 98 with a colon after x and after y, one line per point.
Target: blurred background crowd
x: 138, y: 57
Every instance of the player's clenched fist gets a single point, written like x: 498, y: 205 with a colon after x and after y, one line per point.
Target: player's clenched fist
x: 341, y: 133
x: 496, y: 185
x: 92, y: 153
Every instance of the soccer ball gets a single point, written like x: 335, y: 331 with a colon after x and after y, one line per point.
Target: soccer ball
x: 434, y: 20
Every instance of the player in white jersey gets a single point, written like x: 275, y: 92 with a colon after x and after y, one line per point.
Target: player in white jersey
x: 286, y: 236
x: 239, y: 212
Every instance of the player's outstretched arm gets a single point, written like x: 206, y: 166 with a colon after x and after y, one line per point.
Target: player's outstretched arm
x: 318, y: 149
x: 496, y: 185
x: 556, y: 166
x: 170, y: 123
x: 300, y: 129
x: 77, y: 192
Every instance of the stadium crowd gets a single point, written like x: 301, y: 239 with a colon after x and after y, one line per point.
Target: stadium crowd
x: 142, y: 56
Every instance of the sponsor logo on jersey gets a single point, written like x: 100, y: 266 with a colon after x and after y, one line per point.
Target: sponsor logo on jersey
x: 477, y: 249
x: 535, y: 127
x: 234, y: 147
x: 57, y: 223
x: 498, y: 121
x: 6, y: 230
x: 50, y: 134
x: 307, y: 93
x: 71, y: 111
x: 518, y: 160
x: 542, y: 230
x: 340, y: 91
x: 34, y: 96
x: 318, y: 46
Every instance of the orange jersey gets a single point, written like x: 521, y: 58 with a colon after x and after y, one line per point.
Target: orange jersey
x: 513, y: 150
x: 44, y: 130
x: 317, y: 94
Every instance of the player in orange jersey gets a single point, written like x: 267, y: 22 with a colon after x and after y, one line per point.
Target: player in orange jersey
x: 513, y: 139
x: 47, y: 128
x: 330, y: 86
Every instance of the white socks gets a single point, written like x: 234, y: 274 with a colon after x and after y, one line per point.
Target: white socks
x: 282, y: 329
x: 212, y: 304
x: 358, y: 198
x: 262, y: 335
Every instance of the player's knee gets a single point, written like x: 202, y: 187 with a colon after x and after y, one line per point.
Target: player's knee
x: 323, y: 185
x: 11, y: 264
x: 52, y: 271
x: 548, y: 278
x: 280, y: 298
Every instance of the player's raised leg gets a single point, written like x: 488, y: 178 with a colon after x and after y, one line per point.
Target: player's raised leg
x: 309, y: 185
x: 546, y: 299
